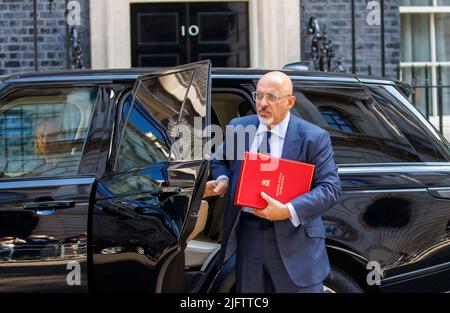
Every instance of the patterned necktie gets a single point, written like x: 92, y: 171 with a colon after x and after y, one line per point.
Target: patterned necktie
x: 264, y: 147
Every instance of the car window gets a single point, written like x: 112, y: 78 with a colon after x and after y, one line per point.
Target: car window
x: 42, y: 131
x: 166, y: 116
x: 143, y: 141
x: 360, y: 130
x: 228, y: 105
x: 427, y: 147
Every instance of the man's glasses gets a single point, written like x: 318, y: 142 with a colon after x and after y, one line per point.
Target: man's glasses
x: 271, y: 98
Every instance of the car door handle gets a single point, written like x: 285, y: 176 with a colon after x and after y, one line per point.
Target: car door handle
x: 49, y: 205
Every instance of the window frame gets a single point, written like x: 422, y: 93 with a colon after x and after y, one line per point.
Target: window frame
x: 17, y: 87
x: 123, y: 124
x: 433, y: 64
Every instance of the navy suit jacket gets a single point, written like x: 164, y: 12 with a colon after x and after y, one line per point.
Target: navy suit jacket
x: 302, y: 248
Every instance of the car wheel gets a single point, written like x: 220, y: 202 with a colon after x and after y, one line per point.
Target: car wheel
x: 339, y: 281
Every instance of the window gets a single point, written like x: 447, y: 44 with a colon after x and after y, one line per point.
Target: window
x: 42, y: 131
x: 337, y: 120
x: 428, y: 148
x: 360, y: 130
x: 227, y: 105
x: 416, y: 2
x: 166, y: 116
x: 425, y: 53
x: 142, y: 142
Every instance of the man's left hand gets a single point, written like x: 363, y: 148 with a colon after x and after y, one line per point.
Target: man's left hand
x: 274, y: 211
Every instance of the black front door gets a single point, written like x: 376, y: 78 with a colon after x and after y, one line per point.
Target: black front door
x: 170, y: 34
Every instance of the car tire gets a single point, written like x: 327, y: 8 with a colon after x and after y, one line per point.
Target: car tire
x: 339, y: 281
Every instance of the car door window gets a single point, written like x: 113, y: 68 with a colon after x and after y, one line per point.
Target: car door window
x: 360, y: 130
x: 42, y: 131
x: 142, y: 142
x: 165, y: 120
x: 427, y: 146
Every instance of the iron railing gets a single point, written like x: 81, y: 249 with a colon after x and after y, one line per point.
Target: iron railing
x: 433, y: 92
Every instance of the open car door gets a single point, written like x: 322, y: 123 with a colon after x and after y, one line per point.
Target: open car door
x: 145, y: 210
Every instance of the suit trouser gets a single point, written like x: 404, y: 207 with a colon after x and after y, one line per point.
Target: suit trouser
x: 259, y: 267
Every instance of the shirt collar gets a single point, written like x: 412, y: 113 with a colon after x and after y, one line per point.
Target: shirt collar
x: 280, y: 129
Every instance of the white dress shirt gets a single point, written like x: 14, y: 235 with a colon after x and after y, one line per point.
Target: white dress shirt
x: 276, y: 148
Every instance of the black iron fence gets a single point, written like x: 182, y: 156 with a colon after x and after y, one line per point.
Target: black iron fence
x: 430, y: 96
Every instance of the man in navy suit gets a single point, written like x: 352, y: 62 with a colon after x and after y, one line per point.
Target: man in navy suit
x: 280, y: 248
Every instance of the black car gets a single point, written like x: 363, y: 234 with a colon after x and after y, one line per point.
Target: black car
x: 87, y: 154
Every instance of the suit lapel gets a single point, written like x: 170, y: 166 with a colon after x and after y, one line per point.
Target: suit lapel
x: 247, y: 142
x: 293, y: 141
x: 249, y: 139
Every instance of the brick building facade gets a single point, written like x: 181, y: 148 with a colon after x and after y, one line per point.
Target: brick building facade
x: 337, y: 16
x: 17, y: 35
x: 17, y: 46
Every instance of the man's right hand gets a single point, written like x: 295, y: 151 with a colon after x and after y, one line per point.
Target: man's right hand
x: 215, y: 188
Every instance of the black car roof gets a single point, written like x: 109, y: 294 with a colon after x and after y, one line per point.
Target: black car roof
x: 133, y: 73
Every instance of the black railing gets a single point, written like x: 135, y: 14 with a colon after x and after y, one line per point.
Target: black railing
x: 424, y: 85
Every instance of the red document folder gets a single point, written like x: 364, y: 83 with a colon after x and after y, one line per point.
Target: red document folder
x: 281, y: 179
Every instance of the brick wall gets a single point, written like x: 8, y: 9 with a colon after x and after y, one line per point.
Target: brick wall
x: 17, y: 41
x: 17, y: 35
x: 336, y: 15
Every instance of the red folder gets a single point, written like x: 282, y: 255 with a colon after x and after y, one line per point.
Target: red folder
x: 281, y: 179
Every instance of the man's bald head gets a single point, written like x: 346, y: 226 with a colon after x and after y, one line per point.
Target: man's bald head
x: 278, y: 99
x: 278, y: 80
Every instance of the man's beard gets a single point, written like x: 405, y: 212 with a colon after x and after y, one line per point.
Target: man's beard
x: 264, y: 120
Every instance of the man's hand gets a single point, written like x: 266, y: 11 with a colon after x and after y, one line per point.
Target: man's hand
x: 274, y: 211
x: 215, y: 188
